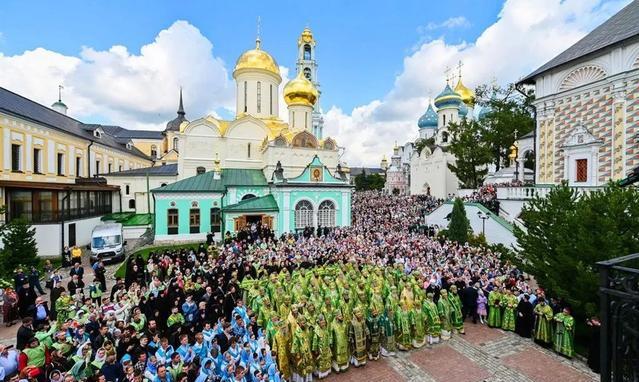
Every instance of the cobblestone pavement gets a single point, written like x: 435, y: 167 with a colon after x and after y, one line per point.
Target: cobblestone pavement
x: 483, y: 354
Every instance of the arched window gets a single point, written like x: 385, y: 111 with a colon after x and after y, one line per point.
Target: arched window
x: 326, y: 214
x: 154, y: 151
x: 175, y: 143
x: 248, y: 150
x: 259, y: 97
x: 245, y: 97
x: 132, y: 204
x: 270, y: 94
x: 445, y: 137
x: 307, y: 73
x: 307, y: 52
x: 248, y: 196
x: 200, y: 170
x: 216, y: 220
x: 303, y: 214
x: 163, y: 184
x: 444, y: 120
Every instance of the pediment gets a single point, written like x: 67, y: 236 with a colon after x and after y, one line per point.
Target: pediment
x: 581, y: 136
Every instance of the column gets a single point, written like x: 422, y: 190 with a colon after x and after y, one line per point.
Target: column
x: 28, y: 153
x: 618, y: 131
x: 6, y: 147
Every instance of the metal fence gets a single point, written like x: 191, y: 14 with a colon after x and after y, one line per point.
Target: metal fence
x: 619, y: 296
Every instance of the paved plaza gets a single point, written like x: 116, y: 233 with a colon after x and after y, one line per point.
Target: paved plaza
x: 483, y: 354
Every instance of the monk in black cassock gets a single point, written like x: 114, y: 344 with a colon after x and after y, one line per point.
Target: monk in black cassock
x: 524, y: 317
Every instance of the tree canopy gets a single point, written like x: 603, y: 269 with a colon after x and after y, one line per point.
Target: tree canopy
x: 365, y: 182
x: 566, y: 234
x: 472, y: 153
x: 459, y: 226
x: 18, y: 246
x: 509, y: 110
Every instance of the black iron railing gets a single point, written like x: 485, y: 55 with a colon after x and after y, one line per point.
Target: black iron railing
x: 619, y: 296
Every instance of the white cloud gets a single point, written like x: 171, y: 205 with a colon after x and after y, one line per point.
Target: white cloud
x: 135, y: 90
x: 525, y: 35
x: 453, y: 22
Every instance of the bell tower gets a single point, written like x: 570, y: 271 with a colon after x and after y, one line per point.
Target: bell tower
x: 307, y: 65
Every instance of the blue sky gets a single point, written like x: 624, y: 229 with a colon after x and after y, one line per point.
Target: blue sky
x: 359, y: 42
x: 381, y: 62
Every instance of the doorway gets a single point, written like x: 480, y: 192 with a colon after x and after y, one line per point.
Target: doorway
x: 71, y: 235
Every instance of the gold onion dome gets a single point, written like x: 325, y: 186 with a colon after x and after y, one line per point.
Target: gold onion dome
x: 257, y: 59
x: 467, y: 95
x: 307, y: 36
x: 299, y: 90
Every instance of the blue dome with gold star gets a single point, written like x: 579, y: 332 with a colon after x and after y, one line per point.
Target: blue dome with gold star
x: 448, y: 98
x: 428, y: 120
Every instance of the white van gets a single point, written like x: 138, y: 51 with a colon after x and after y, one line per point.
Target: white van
x: 107, y: 243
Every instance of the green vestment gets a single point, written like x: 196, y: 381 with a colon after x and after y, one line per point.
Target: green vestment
x: 543, y: 318
x: 494, y: 309
x: 340, y: 343
x: 564, y: 334
x: 509, y: 303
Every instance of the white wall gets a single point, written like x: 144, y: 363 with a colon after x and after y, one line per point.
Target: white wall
x: 48, y: 237
x: 137, y: 191
x: 495, y: 232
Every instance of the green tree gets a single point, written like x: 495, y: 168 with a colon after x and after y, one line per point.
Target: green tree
x: 472, y: 153
x: 364, y: 182
x: 509, y: 111
x: 18, y: 246
x: 361, y: 181
x: 459, y: 226
x: 423, y: 142
x: 376, y: 182
x: 565, y: 235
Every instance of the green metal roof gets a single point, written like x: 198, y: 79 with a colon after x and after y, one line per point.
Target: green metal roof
x: 263, y: 203
x: 206, y: 183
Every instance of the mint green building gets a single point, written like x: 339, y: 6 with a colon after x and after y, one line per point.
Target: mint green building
x: 228, y: 199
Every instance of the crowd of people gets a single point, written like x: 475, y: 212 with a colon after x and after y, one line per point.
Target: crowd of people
x: 259, y: 307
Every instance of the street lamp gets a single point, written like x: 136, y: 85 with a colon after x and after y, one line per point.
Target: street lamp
x: 483, y: 218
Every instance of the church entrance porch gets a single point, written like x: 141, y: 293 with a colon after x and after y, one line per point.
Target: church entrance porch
x: 242, y: 221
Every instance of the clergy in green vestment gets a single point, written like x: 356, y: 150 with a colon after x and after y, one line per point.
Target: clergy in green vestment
x: 358, y: 335
x: 402, y: 324
x: 418, y: 321
x: 433, y: 323
x: 444, y: 310
x: 339, y: 333
x: 280, y: 341
x: 389, y: 346
x: 456, y: 317
x: 374, y: 325
x: 564, y: 333
x: 303, y: 362
x: 321, y: 347
x: 509, y: 303
x: 543, y: 318
x: 494, y: 308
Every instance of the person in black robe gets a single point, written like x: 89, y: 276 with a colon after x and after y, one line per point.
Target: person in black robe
x: 469, y: 302
x: 593, y: 346
x: 524, y: 317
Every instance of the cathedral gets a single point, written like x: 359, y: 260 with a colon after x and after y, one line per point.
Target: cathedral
x: 421, y: 167
x: 256, y: 167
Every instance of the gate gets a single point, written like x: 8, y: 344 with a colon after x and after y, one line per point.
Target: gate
x: 619, y: 297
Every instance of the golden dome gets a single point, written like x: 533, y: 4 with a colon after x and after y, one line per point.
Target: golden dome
x: 257, y: 59
x: 306, y: 37
x: 300, y: 91
x: 467, y: 95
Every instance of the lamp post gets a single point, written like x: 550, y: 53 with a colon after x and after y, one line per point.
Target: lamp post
x: 483, y: 218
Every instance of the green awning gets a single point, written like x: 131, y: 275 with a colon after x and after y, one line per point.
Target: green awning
x: 262, y: 204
